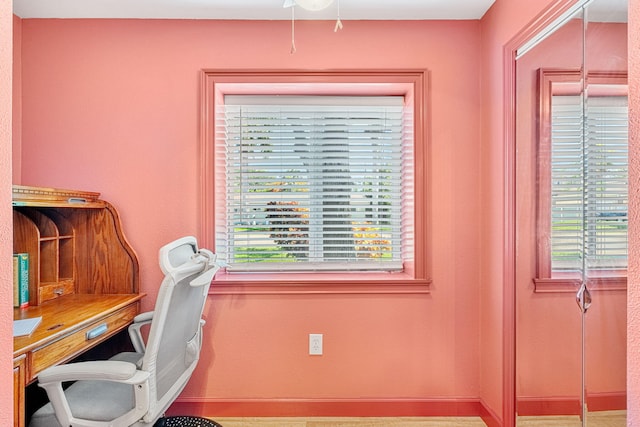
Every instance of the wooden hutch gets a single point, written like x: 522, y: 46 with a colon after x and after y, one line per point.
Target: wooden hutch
x: 83, y: 278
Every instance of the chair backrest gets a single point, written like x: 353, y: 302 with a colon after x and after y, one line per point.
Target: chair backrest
x: 175, y: 336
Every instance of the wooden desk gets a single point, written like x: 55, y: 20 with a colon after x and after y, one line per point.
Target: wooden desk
x: 83, y: 278
x: 64, y: 333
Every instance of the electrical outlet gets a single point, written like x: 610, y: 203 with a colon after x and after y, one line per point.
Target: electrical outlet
x: 315, y: 344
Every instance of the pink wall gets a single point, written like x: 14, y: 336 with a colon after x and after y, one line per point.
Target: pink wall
x: 112, y: 106
x: 633, y: 305
x: 6, y: 229
x: 499, y: 25
x: 17, y: 100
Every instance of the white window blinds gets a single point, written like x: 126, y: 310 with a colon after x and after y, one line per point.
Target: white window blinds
x: 314, y: 183
x: 589, y: 186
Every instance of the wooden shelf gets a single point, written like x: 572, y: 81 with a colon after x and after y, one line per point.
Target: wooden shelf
x: 64, y: 231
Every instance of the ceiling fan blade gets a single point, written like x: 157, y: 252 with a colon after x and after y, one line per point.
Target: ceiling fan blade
x: 289, y: 3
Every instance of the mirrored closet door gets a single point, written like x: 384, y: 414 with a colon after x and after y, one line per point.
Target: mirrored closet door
x: 571, y: 219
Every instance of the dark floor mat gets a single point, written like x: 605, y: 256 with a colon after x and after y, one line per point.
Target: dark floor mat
x: 185, y: 421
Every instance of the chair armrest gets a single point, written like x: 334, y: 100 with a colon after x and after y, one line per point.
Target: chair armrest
x: 135, y: 334
x: 143, y: 317
x: 107, y: 370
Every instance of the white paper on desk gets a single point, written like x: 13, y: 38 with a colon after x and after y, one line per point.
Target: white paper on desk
x: 25, y: 326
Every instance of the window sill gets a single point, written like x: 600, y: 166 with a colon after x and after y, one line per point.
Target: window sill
x: 553, y: 285
x: 317, y: 283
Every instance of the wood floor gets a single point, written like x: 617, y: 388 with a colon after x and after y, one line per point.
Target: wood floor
x: 599, y: 419
x: 594, y: 419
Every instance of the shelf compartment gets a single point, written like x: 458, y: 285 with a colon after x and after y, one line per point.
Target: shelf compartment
x: 49, y: 238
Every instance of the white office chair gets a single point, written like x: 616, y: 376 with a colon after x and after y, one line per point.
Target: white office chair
x: 135, y: 389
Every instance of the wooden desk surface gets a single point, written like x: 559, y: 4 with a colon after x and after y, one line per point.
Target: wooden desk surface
x: 67, y: 314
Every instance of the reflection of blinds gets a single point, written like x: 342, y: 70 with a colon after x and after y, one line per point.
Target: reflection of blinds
x: 607, y: 165
x: 566, y: 183
x: 314, y: 183
x: 589, y: 180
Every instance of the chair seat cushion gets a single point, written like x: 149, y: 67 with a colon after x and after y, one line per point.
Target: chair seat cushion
x: 107, y: 400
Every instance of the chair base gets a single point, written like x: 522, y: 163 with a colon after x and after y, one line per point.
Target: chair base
x: 185, y: 421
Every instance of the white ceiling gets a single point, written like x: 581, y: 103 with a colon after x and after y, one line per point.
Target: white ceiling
x: 250, y: 9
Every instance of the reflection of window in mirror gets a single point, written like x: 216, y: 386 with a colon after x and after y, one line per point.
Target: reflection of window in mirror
x: 582, y: 180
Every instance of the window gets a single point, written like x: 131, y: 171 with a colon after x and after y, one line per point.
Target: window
x: 584, y: 187
x: 318, y: 173
x: 314, y: 183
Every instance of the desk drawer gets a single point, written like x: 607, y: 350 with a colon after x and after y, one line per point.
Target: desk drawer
x: 79, y: 341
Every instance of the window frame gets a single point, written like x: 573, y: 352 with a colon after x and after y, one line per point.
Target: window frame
x: 571, y: 81
x: 412, y: 84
